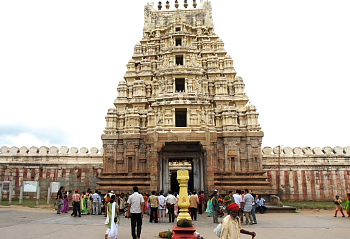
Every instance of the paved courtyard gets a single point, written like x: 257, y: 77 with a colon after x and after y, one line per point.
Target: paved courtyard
x: 19, y: 222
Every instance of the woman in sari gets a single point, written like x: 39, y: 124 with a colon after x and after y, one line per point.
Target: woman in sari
x: 112, y: 219
x: 210, y: 209
x: 176, y: 205
x: 65, y: 208
x: 146, y: 207
x: 347, y: 204
x: 83, y: 204
x: 89, y: 203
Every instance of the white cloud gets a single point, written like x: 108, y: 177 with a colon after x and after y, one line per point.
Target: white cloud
x: 24, y: 139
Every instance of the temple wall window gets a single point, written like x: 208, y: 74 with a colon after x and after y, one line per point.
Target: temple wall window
x: 180, y: 85
x: 179, y: 60
x: 180, y: 117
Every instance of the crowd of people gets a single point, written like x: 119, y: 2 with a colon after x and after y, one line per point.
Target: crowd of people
x: 240, y: 207
x: 86, y: 203
x: 249, y: 204
x: 159, y: 206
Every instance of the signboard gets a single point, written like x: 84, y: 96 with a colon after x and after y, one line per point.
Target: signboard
x: 6, y: 186
x: 30, y: 186
x: 54, y: 186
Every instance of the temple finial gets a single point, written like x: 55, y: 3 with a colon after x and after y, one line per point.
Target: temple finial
x: 194, y: 4
x: 176, y: 4
x: 185, y: 4
x: 167, y: 5
x: 159, y: 5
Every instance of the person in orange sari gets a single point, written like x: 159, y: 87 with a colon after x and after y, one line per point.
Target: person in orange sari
x: 146, y: 207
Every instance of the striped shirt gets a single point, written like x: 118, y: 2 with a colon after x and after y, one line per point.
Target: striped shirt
x: 76, y: 197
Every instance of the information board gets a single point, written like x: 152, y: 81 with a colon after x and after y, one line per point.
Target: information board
x: 54, y: 186
x: 30, y: 186
x: 6, y: 186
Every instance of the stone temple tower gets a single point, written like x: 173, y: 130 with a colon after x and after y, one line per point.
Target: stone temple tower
x: 182, y: 106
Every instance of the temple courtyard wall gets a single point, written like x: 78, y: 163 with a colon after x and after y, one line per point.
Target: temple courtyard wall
x: 299, y: 173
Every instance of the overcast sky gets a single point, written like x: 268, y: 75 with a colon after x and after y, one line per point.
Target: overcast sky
x: 61, y: 61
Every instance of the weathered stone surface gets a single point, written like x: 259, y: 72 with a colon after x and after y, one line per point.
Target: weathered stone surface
x: 84, y: 150
x: 43, y: 150
x: 73, y: 171
x: 94, y: 151
x: 327, y: 150
x: 267, y: 150
x: 317, y: 150
x: 347, y: 150
x: 307, y: 150
x: 74, y: 150
x: 53, y: 150
x: 338, y: 150
x: 64, y: 150
x: 287, y: 150
x: 14, y: 150
x: 318, y: 176
x: 23, y: 150
x: 181, y: 104
x: 277, y: 150
x: 297, y: 151
x: 34, y: 150
x: 303, y: 177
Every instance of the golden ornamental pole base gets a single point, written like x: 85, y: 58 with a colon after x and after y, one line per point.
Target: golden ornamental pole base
x: 184, y: 201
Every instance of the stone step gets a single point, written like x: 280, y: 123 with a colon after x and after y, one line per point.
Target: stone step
x: 124, y: 182
x: 276, y: 209
x: 121, y: 188
x: 126, y: 174
x: 240, y: 176
x: 131, y: 177
x: 263, y: 190
x: 247, y: 179
x: 250, y: 172
x: 238, y: 183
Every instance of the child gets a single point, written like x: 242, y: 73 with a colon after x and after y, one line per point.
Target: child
x: 338, y: 206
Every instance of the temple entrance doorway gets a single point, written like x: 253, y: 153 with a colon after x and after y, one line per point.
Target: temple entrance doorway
x: 176, y: 156
x: 180, y: 164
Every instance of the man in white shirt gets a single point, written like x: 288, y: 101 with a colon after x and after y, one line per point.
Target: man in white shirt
x: 135, y: 212
x: 170, y: 202
x: 161, y: 207
x: 231, y: 224
x: 95, y: 202
x: 239, y: 201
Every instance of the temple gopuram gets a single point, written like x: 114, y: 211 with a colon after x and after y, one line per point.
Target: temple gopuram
x: 181, y: 106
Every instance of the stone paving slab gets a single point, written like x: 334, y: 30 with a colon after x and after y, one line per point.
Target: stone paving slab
x: 19, y: 222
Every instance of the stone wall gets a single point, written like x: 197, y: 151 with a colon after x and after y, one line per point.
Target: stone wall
x: 308, y: 173
x: 75, y: 169
x: 305, y: 173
